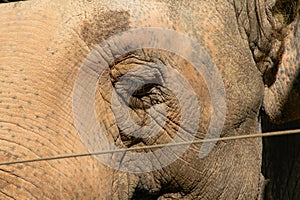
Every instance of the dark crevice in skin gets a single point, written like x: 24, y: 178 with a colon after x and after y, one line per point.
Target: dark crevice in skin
x: 144, y: 195
x: 168, y: 191
x: 10, y: 1
x: 7, y: 195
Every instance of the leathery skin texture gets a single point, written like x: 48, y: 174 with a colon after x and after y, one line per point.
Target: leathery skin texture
x: 42, y: 47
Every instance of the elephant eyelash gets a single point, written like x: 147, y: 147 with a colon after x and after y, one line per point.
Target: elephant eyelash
x: 144, y: 90
x: 143, y: 97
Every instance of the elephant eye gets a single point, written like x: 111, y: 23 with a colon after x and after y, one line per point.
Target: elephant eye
x: 139, y: 83
x: 144, y: 90
x: 138, y: 93
x: 147, y: 96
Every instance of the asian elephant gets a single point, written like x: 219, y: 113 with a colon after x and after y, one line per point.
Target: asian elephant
x: 45, y: 45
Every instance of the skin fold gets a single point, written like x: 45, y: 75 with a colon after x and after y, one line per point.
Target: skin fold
x: 282, y: 99
x: 42, y: 47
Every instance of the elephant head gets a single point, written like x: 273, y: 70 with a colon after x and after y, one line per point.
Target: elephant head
x: 82, y: 76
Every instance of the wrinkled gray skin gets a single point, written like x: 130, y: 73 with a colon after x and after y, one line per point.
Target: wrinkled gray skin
x: 43, y: 44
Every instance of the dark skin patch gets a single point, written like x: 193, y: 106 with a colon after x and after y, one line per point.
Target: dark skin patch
x: 104, y: 25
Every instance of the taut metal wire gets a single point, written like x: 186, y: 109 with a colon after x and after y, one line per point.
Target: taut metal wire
x: 268, y: 134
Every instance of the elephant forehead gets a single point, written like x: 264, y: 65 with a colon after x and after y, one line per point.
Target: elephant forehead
x: 104, y: 25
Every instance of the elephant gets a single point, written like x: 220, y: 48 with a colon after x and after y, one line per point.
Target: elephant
x: 52, y: 92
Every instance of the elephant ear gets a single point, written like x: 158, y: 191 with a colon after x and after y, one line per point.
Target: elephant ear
x: 282, y: 83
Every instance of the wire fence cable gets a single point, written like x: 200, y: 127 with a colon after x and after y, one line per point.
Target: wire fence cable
x: 199, y: 141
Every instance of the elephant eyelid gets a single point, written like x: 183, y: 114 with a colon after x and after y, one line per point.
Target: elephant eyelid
x: 145, y: 89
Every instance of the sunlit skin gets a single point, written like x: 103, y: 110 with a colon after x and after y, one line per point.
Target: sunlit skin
x: 43, y: 45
